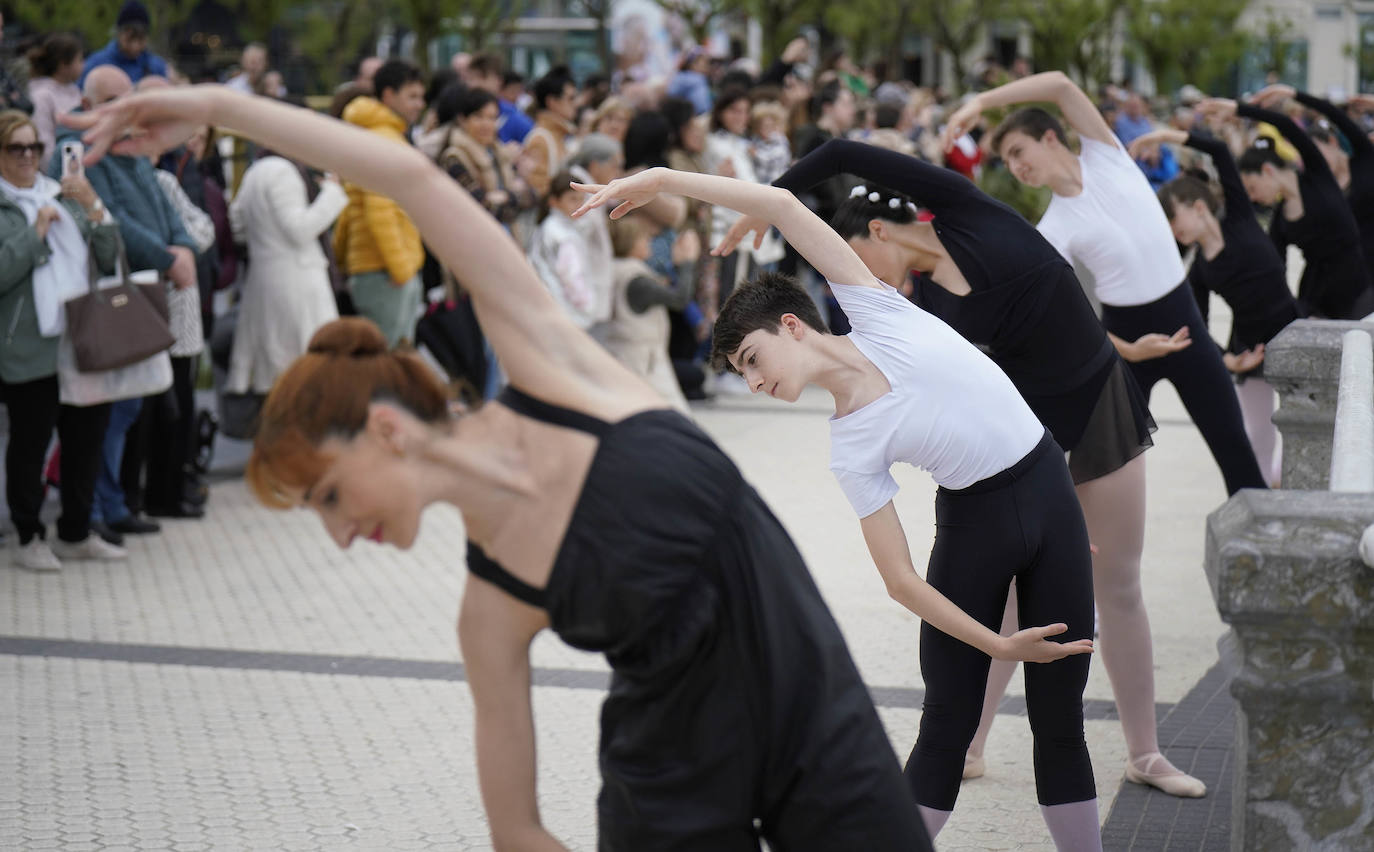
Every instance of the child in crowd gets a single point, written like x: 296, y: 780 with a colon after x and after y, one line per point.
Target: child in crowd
x: 559, y: 253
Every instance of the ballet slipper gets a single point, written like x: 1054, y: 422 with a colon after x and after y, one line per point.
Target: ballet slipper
x: 1169, y: 779
x: 974, y: 766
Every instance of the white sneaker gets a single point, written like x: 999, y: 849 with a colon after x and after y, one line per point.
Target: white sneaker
x: 92, y: 547
x: 37, y: 556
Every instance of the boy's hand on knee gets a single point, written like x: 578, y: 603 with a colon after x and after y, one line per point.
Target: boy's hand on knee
x: 1033, y: 645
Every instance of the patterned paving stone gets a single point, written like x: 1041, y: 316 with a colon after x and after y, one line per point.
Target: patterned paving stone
x: 242, y: 684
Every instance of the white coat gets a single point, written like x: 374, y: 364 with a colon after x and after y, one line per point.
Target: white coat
x: 286, y: 295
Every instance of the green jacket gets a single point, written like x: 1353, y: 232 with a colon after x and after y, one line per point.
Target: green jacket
x: 26, y: 355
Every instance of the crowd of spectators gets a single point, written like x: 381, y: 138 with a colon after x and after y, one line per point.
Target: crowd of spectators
x: 257, y: 251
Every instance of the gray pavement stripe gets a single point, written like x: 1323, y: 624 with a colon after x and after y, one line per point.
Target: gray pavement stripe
x: 899, y: 697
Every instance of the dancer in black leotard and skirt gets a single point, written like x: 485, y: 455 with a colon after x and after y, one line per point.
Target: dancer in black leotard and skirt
x: 735, y: 711
x: 1236, y: 260
x: 1311, y: 213
x: 1015, y: 295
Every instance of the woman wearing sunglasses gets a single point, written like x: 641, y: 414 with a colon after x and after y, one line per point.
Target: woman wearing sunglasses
x: 45, y: 228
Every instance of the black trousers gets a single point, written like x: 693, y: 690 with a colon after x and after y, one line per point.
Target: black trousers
x: 159, y: 443
x: 1022, y: 525
x: 1198, y: 374
x: 34, y: 411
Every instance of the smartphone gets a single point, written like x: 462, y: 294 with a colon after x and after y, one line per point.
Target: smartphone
x: 72, y: 153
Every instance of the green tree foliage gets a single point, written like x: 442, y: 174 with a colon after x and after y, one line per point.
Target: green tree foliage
x: 1187, y: 41
x: 93, y: 21
x: 781, y: 20
x: 333, y: 35
x: 1073, y: 36
x: 874, y: 26
x: 1275, y: 40
x: 483, y: 20
x: 956, y: 26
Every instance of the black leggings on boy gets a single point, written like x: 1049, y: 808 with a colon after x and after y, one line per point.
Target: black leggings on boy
x: 1024, y: 523
x: 1198, y: 374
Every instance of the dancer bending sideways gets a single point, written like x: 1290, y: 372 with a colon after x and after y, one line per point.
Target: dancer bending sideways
x: 999, y: 283
x: 1105, y: 218
x: 735, y: 711
x: 1310, y: 212
x: 907, y: 388
x: 1353, y: 170
x: 1236, y: 260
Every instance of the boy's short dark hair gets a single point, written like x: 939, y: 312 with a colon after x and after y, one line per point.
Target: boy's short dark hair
x: 395, y: 74
x: 760, y: 304
x: 551, y: 85
x: 1032, y: 121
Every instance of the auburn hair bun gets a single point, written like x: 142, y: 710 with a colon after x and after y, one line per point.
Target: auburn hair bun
x: 353, y: 337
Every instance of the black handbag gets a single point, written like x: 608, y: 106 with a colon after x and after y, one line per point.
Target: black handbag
x: 117, y: 326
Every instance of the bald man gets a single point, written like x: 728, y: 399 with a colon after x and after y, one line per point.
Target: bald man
x: 253, y: 64
x: 154, y: 238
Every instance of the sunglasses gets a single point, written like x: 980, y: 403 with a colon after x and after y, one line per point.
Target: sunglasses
x: 15, y: 149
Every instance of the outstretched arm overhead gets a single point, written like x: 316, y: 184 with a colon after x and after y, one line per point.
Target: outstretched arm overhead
x: 814, y: 239
x: 933, y: 187
x: 1050, y: 87
x: 539, y: 347
x: 1271, y: 97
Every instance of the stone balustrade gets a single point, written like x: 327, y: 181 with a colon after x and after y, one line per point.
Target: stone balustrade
x: 1287, y: 573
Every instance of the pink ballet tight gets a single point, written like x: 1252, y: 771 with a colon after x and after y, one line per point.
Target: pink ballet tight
x: 1257, y: 408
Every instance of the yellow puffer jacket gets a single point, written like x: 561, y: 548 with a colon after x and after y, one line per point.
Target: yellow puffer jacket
x: 373, y: 232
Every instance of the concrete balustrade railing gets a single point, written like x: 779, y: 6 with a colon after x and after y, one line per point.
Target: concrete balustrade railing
x: 1289, y: 573
x: 1352, y: 438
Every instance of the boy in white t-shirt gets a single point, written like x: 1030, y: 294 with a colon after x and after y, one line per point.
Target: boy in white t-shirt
x: 908, y: 388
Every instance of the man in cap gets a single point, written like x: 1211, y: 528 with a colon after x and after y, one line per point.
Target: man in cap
x: 128, y: 50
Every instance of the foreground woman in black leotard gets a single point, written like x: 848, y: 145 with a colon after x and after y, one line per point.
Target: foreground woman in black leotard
x: 594, y: 511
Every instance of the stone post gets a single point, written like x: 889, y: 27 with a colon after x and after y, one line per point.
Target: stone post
x: 1304, y: 365
x: 1285, y: 571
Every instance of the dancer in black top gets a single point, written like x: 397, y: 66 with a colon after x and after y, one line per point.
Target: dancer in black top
x: 1313, y: 215
x: 593, y: 511
x: 1354, y: 172
x: 1236, y: 260
x: 993, y: 278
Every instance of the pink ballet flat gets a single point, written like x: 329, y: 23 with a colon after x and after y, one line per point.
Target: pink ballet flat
x: 1168, y: 779
x: 974, y: 766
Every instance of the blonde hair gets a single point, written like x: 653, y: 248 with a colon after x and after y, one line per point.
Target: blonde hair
x: 612, y: 104
x: 624, y: 234
x: 768, y: 109
x: 10, y: 121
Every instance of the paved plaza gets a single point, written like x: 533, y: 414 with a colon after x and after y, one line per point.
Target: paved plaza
x: 242, y: 684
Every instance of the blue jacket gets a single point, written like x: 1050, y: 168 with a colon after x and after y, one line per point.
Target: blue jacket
x: 694, y: 87
x: 147, y: 221
x: 143, y: 65
x: 515, y: 125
